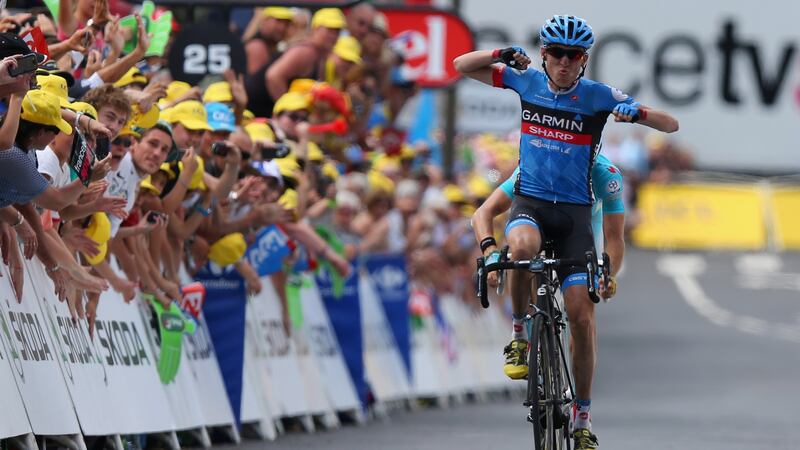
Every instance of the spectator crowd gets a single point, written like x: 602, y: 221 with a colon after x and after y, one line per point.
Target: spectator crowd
x: 118, y: 177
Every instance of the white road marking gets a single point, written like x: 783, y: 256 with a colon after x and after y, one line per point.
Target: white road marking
x: 683, y: 269
x: 759, y: 263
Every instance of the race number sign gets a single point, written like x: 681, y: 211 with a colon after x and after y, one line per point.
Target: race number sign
x: 205, y: 49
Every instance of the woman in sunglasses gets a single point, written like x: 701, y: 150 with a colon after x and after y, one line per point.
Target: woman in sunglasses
x: 563, y: 115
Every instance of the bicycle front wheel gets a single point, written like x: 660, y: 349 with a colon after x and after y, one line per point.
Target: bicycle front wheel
x: 542, y: 396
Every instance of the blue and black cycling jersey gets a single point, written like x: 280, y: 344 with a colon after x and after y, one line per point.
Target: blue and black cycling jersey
x: 560, y: 133
x: 607, y: 187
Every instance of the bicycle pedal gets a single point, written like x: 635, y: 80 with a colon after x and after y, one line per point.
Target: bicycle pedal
x: 527, y: 403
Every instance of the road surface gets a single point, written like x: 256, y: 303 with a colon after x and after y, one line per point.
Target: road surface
x: 699, y: 351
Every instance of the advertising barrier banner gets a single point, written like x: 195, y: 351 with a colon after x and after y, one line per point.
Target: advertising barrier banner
x: 33, y: 358
x: 13, y: 419
x: 344, y: 312
x: 225, y: 316
x: 701, y: 216
x: 786, y: 217
x: 384, y: 366
x: 322, y: 339
x: 390, y: 279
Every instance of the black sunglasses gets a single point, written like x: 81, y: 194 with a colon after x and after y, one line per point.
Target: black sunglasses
x: 297, y: 117
x: 124, y: 141
x: 558, y: 53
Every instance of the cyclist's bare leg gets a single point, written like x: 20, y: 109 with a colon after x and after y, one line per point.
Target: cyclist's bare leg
x: 580, y: 311
x: 524, y: 242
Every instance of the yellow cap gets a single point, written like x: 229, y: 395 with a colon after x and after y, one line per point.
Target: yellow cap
x: 328, y: 18
x: 277, y: 12
x: 132, y: 76
x: 479, y: 187
x: 99, y: 230
x: 288, y: 167
x: 145, y: 119
x: 168, y: 168
x: 289, y: 199
x: 302, y: 85
x: 191, y: 114
x: 128, y: 129
x: 259, y: 131
x: 84, y: 108
x: 218, y: 92
x: 407, y: 152
x: 386, y: 163
x: 454, y: 194
x: 174, y: 90
x: 147, y: 184
x: 379, y: 183
x: 329, y: 170
x: 55, y: 85
x: 348, y: 48
x: 43, y: 108
x: 196, y: 183
x: 247, y: 116
x: 227, y: 250
x: 291, y: 101
x: 314, y: 152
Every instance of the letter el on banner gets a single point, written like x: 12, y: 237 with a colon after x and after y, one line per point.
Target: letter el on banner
x: 701, y: 216
x: 390, y: 278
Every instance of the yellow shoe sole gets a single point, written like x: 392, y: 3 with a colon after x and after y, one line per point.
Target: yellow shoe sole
x: 515, y: 372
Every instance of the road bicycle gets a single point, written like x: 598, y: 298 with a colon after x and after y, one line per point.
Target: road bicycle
x: 551, y: 390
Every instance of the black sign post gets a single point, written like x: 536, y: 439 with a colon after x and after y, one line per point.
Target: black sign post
x: 205, y: 49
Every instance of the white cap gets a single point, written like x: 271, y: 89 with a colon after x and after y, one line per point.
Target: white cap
x: 268, y: 169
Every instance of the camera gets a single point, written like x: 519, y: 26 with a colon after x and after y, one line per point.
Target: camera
x: 102, y: 147
x: 220, y: 148
x: 153, y: 216
x: 26, y: 64
x: 274, y: 151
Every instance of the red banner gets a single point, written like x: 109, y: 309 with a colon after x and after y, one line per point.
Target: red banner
x: 429, y: 39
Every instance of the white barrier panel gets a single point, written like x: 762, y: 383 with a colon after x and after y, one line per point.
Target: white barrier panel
x: 13, y: 419
x: 316, y: 391
x: 383, y: 364
x: 497, y: 324
x: 464, y: 366
x: 255, y: 406
x: 79, y: 357
x: 214, y: 404
x: 318, y: 328
x: 279, y: 366
x: 33, y: 362
x: 137, y: 395
x: 182, y: 392
x: 427, y: 360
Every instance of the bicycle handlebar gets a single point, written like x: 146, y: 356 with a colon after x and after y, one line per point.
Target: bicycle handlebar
x: 539, y: 265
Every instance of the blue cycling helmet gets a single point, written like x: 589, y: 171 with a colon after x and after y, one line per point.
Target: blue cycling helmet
x: 567, y: 30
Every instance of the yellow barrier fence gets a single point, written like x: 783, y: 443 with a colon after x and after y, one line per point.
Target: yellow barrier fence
x: 704, y: 216
x: 785, y: 203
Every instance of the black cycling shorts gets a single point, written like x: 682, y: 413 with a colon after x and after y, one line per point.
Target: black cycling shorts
x: 568, y: 226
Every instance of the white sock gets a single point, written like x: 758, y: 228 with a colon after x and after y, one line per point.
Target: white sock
x: 518, y: 328
x: 581, y: 414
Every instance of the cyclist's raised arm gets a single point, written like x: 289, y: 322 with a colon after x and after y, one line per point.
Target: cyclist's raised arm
x: 476, y: 65
x: 658, y: 120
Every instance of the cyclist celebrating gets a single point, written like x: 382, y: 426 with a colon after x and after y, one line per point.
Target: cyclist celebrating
x: 608, y: 218
x: 563, y: 116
